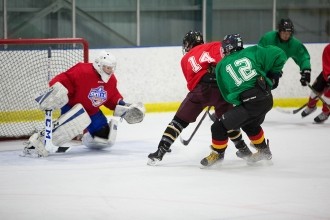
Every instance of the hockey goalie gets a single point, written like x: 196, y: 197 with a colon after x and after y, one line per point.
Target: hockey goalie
x: 79, y: 93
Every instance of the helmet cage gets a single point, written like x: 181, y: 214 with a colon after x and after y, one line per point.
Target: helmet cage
x: 105, y: 59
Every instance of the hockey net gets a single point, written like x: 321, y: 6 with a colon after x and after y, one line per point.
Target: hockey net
x: 27, y: 65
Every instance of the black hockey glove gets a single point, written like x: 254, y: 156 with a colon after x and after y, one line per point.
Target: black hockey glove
x: 211, y: 69
x: 328, y: 81
x: 305, y: 77
x: 275, y: 77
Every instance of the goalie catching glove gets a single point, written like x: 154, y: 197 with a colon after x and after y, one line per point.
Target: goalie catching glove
x: 133, y: 113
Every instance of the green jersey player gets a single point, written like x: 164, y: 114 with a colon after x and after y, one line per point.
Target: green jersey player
x: 245, y: 78
x: 293, y: 48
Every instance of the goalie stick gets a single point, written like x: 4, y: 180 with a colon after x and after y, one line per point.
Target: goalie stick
x: 48, y: 143
x: 49, y: 132
x: 186, y: 142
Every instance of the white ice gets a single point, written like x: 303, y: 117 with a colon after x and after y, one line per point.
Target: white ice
x: 118, y: 184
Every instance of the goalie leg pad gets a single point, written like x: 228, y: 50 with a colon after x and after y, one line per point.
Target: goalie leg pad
x: 99, y: 142
x: 132, y: 114
x: 55, y: 97
x: 70, y: 124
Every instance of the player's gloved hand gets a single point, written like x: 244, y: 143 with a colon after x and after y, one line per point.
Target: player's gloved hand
x: 305, y: 77
x: 275, y: 77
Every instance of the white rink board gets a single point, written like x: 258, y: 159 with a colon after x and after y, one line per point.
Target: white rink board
x: 154, y: 74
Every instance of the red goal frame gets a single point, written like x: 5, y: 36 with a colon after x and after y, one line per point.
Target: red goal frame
x: 49, y: 41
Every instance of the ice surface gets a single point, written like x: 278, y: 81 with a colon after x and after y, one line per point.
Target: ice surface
x: 117, y: 183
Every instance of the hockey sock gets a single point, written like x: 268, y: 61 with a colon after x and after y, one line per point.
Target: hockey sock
x: 312, y: 102
x: 173, y: 130
x: 258, y: 140
x: 235, y: 136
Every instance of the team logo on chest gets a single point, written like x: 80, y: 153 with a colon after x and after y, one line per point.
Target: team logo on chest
x: 98, y: 96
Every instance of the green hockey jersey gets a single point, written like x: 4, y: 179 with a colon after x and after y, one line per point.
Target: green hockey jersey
x: 238, y: 71
x: 293, y: 48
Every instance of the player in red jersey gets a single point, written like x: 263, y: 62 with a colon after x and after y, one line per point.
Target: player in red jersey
x: 198, y: 65
x: 80, y: 92
x: 321, y: 86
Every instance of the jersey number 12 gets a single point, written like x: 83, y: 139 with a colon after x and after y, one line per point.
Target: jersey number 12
x: 244, y: 69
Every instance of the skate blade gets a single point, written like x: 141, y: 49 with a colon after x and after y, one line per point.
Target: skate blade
x: 260, y: 163
x: 216, y: 165
x: 153, y: 162
x: 246, y: 158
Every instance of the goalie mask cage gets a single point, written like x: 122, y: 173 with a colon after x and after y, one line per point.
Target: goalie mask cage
x: 27, y: 65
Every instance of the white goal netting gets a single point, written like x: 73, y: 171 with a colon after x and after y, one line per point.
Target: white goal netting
x: 26, y: 67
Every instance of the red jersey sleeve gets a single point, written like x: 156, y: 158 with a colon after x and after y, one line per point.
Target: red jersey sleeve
x: 326, y: 62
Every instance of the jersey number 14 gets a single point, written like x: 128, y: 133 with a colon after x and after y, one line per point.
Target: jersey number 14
x: 205, y: 57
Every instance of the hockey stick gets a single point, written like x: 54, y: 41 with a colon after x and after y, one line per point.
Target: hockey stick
x: 304, y: 105
x: 212, y: 116
x: 295, y: 111
x: 318, y: 96
x: 186, y: 142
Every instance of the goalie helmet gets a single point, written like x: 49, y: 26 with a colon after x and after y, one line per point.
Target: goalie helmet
x: 286, y: 25
x: 108, y: 60
x: 232, y: 43
x: 190, y: 40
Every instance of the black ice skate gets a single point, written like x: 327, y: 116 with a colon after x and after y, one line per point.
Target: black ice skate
x: 307, y: 111
x: 154, y: 158
x: 321, y: 117
x: 243, y: 150
x: 263, y: 153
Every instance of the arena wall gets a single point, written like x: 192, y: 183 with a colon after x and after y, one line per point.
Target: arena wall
x: 153, y: 75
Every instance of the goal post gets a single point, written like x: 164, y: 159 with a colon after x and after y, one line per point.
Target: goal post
x: 27, y: 65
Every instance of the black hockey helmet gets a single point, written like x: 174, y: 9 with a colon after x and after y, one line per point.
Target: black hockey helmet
x: 190, y: 40
x: 231, y: 43
x: 285, y: 25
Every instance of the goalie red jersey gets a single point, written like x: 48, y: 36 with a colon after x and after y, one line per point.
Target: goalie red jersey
x: 80, y: 92
x: 85, y: 86
x: 195, y: 63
